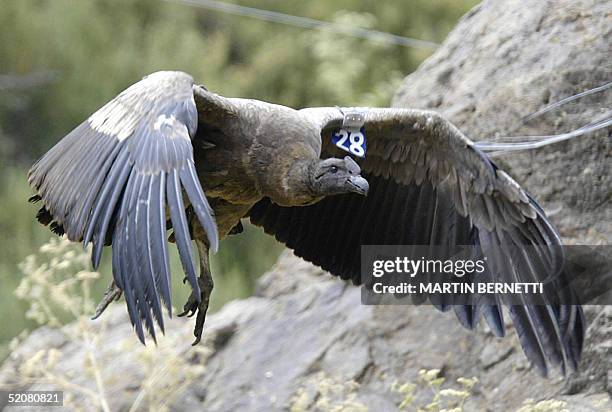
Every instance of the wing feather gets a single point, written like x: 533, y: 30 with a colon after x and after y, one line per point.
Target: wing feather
x: 189, y: 179
x: 181, y: 229
x: 429, y: 185
x: 113, y: 179
x: 157, y: 224
x: 145, y: 251
x: 106, y: 204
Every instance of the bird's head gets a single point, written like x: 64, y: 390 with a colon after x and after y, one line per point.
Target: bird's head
x: 337, y: 176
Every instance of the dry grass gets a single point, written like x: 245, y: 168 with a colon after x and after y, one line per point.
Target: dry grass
x: 57, y: 285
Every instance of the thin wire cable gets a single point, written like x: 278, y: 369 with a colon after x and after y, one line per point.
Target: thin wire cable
x: 566, y: 100
x: 533, y: 142
x: 523, y: 139
x: 308, y: 23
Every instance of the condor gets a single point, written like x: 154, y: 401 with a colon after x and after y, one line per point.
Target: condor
x: 168, y: 154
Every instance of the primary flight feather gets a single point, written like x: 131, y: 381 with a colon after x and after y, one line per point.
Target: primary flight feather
x: 168, y: 154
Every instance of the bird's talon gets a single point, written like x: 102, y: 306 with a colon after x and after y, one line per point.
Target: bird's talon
x: 197, y: 339
x: 197, y: 332
x: 111, y: 294
x: 189, y: 309
x: 199, y: 326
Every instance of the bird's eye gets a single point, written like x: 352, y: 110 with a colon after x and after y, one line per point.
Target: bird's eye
x: 333, y: 169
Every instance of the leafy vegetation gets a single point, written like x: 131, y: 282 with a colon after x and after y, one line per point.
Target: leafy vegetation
x: 57, y: 287
x: 62, y: 59
x: 334, y: 394
x: 443, y: 399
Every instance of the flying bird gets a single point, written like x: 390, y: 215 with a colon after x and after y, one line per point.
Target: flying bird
x: 166, y: 154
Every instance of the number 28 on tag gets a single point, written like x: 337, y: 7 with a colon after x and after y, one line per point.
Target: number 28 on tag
x: 351, y: 140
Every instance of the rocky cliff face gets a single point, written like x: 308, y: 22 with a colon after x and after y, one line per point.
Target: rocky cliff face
x: 506, y: 60
x: 305, y: 342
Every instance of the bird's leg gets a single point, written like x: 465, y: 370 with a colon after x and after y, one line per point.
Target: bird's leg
x: 112, y: 293
x: 206, y: 286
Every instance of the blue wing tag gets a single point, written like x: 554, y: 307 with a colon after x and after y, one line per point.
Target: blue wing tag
x: 351, y: 140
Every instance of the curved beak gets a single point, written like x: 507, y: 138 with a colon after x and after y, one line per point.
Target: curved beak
x: 357, y: 184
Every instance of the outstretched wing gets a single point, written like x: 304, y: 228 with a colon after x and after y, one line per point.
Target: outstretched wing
x: 429, y: 185
x: 111, y: 178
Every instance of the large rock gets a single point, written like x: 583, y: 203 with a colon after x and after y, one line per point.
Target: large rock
x: 506, y: 60
x: 305, y: 342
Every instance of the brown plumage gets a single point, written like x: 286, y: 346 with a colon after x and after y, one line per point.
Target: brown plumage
x: 168, y: 153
